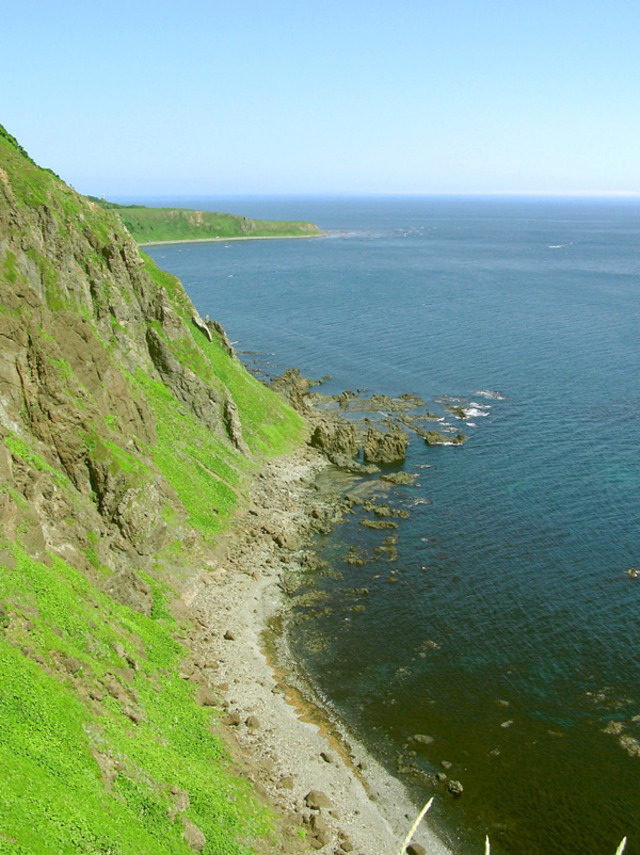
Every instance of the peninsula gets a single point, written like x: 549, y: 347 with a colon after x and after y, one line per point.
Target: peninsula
x: 170, y: 225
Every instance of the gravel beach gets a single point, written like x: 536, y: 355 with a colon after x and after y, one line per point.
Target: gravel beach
x: 330, y: 794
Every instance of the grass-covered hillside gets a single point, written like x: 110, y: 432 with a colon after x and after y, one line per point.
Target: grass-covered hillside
x: 127, y: 431
x: 148, y: 225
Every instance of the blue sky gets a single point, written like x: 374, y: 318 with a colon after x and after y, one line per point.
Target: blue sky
x: 211, y: 98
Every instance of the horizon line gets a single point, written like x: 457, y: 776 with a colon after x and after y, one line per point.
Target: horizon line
x: 546, y: 194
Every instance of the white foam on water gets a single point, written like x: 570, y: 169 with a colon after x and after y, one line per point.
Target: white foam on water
x: 490, y: 393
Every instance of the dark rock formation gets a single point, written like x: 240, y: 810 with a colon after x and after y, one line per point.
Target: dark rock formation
x: 381, y: 447
x: 128, y: 588
x: 204, y: 401
x: 434, y: 437
x: 219, y: 332
x: 335, y: 439
x: 293, y: 387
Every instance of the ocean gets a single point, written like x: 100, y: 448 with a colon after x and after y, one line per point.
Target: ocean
x: 507, y: 628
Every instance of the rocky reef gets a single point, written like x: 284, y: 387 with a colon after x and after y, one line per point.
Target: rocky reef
x: 360, y: 432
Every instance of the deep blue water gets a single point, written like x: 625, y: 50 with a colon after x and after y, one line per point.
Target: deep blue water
x: 513, y: 561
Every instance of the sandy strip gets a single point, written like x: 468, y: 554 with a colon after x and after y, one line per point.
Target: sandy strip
x: 228, y: 239
x: 288, y: 746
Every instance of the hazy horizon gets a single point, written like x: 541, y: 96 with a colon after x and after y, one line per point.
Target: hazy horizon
x: 345, y: 98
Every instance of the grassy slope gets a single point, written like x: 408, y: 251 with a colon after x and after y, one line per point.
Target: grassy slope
x: 168, y: 224
x: 185, y: 452
x: 89, y: 769
x: 96, y: 724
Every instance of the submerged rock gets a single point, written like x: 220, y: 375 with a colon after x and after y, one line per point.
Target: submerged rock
x: 399, y: 478
x: 422, y: 739
x: 455, y: 788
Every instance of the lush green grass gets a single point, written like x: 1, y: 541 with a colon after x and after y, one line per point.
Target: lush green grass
x: 269, y: 425
x: 34, y: 187
x: 168, y: 224
x: 96, y: 724
x: 204, y: 472
x: 78, y: 775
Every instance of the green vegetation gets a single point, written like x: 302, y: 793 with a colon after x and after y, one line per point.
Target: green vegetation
x: 196, y: 464
x: 98, y: 727
x: 149, y: 225
x: 126, y: 471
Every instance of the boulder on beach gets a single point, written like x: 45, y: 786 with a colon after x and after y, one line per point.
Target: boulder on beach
x: 317, y: 800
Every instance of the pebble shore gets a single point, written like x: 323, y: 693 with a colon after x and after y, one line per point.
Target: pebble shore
x: 331, y: 796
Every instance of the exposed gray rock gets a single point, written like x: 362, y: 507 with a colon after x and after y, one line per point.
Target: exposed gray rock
x: 180, y: 799
x: 206, y: 698
x: 194, y: 837
x: 434, y: 437
x: 221, y: 335
x: 233, y: 424
x: 172, y: 325
x: 335, y: 439
x: 293, y: 387
x: 205, y: 402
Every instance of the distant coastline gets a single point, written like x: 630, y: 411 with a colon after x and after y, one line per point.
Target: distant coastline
x: 228, y: 239
x: 176, y: 225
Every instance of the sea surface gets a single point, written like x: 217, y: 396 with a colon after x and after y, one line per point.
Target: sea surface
x: 507, y: 629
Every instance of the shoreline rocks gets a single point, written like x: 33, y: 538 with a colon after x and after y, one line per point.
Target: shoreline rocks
x: 272, y: 716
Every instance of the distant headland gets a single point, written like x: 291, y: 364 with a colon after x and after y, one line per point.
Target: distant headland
x: 171, y: 225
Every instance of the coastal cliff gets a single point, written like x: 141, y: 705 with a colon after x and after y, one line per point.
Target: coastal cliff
x: 156, y: 502
x: 128, y: 433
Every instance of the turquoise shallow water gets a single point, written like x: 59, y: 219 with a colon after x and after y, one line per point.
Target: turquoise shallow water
x: 507, y: 629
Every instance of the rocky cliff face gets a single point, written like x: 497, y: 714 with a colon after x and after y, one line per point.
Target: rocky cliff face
x: 83, y: 314
x: 127, y: 431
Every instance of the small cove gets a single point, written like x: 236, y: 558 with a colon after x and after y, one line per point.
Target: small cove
x: 506, y: 627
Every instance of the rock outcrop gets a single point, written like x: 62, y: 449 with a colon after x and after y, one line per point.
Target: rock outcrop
x: 294, y: 388
x: 385, y: 447
x: 87, y: 323
x: 124, y: 433
x: 335, y: 438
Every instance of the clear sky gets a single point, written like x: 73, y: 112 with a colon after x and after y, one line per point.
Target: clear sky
x: 332, y: 96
